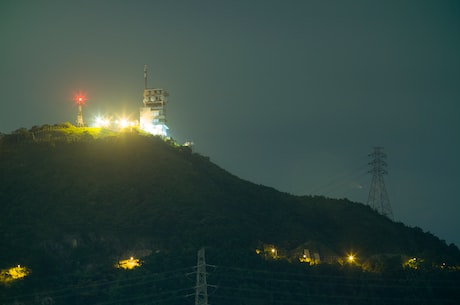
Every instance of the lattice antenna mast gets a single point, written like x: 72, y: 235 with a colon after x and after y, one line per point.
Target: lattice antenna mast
x: 80, y: 122
x: 80, y: 99
x: 145, y: 77
x: 378, y: 196
x: 201, y: 289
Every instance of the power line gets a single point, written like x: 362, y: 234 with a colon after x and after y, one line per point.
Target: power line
x: 339, y: 180
x: 264, y: 285
x: 131, y: 282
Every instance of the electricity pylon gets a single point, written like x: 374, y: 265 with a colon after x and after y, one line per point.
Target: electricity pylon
x: 201, y: 289
x: 378, y: 196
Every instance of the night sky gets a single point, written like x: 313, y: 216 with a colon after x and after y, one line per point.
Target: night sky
x: 289, y: 94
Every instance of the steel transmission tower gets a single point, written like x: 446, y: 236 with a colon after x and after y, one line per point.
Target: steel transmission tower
x: 378, y: 196
x: 201, y: 289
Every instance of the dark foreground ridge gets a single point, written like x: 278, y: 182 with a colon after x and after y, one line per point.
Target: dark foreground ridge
x: 78, y: 205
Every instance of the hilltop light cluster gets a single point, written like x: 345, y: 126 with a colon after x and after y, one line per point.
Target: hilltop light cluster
x: 152, y: 118
x: 115, y: 124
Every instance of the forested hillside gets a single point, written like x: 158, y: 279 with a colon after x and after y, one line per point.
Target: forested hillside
x: 77, y: 202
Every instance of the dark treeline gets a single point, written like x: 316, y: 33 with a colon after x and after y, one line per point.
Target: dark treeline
x: 161, y: 281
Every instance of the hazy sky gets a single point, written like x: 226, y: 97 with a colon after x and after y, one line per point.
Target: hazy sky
x: 289, y: 94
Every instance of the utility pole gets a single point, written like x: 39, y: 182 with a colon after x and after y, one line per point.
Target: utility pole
x: 201, y: 289
x: 378, y: 196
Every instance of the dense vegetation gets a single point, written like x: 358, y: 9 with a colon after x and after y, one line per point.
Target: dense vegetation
x: 75, y: 201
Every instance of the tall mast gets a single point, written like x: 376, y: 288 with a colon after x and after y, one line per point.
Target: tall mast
x: 145, y: 77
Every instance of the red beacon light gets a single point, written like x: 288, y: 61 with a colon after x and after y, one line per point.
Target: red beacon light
x: 80, y: 99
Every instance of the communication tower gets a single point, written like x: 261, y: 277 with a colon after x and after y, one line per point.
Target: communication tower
x: 152, y: 114
x: 80, y: 99
x: 378, y: 196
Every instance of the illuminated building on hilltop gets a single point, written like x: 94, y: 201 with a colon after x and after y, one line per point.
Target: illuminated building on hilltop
x: 152, y: 114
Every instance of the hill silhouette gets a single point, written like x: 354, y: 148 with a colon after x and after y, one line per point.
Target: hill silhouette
x: 77, y: 201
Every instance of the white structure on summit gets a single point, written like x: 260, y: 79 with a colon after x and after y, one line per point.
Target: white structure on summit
x: 152, y: 115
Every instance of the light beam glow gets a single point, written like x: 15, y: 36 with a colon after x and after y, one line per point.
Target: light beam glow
x: 129, y: 264
x: 13, y: 273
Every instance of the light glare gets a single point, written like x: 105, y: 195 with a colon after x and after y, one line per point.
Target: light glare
x: 129, y: 264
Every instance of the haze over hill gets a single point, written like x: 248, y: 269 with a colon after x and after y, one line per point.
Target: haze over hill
x: 77, y: 200
x: 314, y: 83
